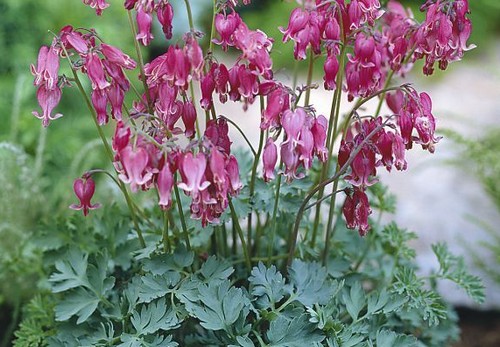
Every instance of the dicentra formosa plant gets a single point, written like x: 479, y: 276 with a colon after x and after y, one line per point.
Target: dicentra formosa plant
x: 169, y: 139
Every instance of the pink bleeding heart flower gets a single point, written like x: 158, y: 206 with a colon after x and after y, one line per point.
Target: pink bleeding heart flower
x: 165, y: 183
x: 192, y: 170
x: 233, y: 173
x: 95, y: 71
x: 84, y: 190
x: 135, y: 163
x: 97, y: 5
x: 116, y: 56
x: 269, y: 158
x: 165, y: 14
x: 100, y: 103
x: 189, y: 119
x: 144, y: 21
x: 48, y: 99
x: 218, y: 168
x: 47, y: 70
x: 356, y: 210
x: 319, y: 129
x: 331, y: 68
x: 226, y: 26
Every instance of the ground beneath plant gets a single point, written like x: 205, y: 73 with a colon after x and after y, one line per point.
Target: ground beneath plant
x: 479, y: 328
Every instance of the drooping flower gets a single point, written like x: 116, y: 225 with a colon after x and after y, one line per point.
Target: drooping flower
x: 165, y: 14
x: 269, y: 159
x: 192, y: 169
x: 356, y: 210
x: 48, y: 99
x: 97, y: 5
x: 164, y: 183
x: 135, y: 162
x: 116, y: 56
x: 144, y: 22
x: 84, y: 189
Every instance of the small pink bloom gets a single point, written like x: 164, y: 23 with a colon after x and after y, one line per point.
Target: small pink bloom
x: 363, y: 169
x: 84, y: 190
x: 72, y: 39
x: 218, y: 168
x: 192, y: 169
x: 207, y: 89
x: 218, y: 133
x: 306, y: 147
x: 277, y: 102
x: 225, y: 26
x: 165, y: 183
x: 135, y: 163
x: 293, y: 122
x: 194, y: 55
x: 356, y: 210
x: 319, y: 129
x: 121, y: 137
x: 51, y: 69
x: 165, y: 13
x: 425, y: 124
x: 233, y: 173
x: 189, y: 119
x: 331, y: 68
x: 129, y: 4
x: 398, y: 147
x: 298, y: 20
x: 269, y: 158
x: 95, y: 71
x: 48, y: 99
x: 385, y: 147
x: 116, y: 73
x: 97, y: 5
x: 144, y: 21
x: 116, y: 56
x: 39, y: 70
x: 100, y: 103
x: 116, y: 97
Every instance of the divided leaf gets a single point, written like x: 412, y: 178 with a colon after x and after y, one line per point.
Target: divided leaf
x: 154, y: 317
x: 268, y: 285
x: 296, y: 332
x: 310, y: 283
x: 218, y: 306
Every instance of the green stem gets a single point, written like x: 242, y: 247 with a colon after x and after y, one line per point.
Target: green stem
x: 212, y: 30
x: 190, y: 15
x: 236, y: 224
x: 167, y: 247
x: 270, y: 246
x: 253, y: 177
x: 181, y: 216
x: 16, y: 106
x: 330, y: 229
x: 40, y: 149
x: 140, y: 62
x: 309, y: 76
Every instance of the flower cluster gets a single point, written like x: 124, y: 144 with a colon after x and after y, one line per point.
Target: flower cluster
x: 102, y: 63
x: 145, y: 9
x: 47, y: 80
x: 209, y: 173
x: 363, y: 46
x: 444, y: 34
